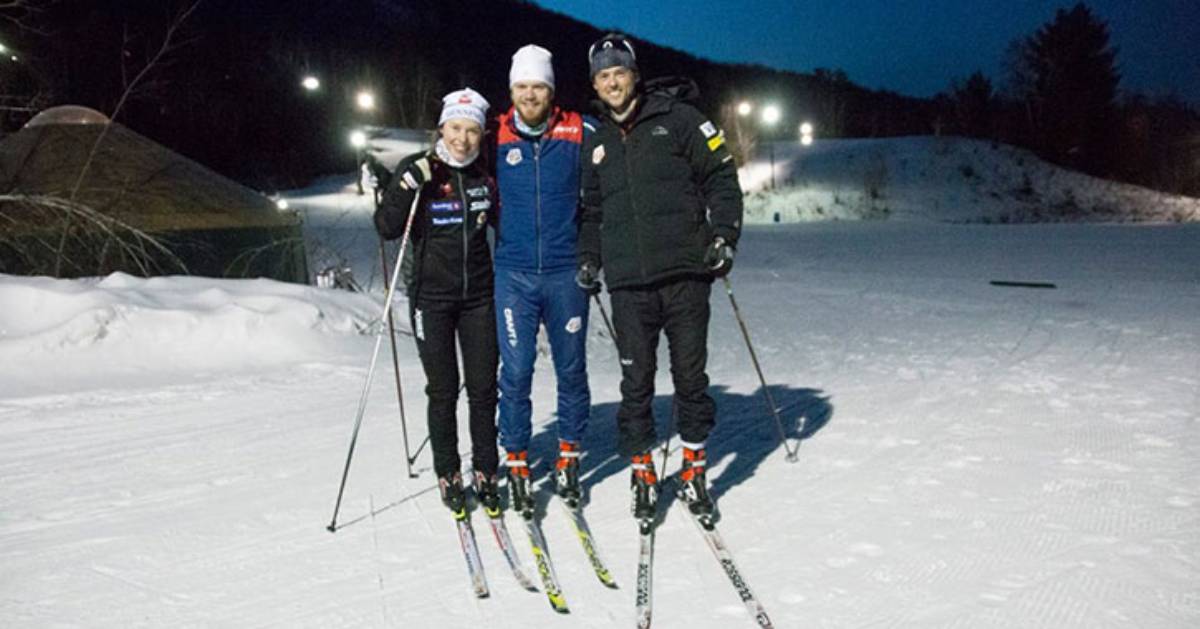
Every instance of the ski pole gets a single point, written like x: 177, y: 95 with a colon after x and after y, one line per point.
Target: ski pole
x: 791, y: 454
x: 362, y: 400
x: 408, y: 458
x: 604, y: 315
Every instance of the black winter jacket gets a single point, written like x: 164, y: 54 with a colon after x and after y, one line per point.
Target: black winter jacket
x: 656, y: 190
x: 451, y: 257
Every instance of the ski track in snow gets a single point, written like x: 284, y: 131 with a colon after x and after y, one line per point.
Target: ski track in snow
x: 974, y: 457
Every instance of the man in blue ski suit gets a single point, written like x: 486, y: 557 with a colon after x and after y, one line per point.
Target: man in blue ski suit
x: 537, y: 157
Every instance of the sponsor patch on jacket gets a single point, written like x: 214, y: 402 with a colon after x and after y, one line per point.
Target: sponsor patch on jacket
x: 598, y: 154
x: 449, y: 220
x: 716, y: 141
x: 445, y: 206
x: 409, y: 182
x: 482, y: 204
x: 574, y: 324
x: 477, y: 191
x: 659, y: 130
x: 708, y: 129
x: 567, y: 132
x: 514, y: 156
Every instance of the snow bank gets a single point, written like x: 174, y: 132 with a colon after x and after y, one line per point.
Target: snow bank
x: 123, y: 325
x: 943, y: 179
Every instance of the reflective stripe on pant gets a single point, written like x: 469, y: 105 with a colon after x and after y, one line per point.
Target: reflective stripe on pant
x: 681, y: 310
x: 523, y: 302
x: 436, y: 326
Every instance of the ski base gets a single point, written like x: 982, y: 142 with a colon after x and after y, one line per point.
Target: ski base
x: 542, y: 560
x: 466, y: 538
x: 584, y: 533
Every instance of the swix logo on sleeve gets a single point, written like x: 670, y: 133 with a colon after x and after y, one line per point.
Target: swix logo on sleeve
x: 598, y: 154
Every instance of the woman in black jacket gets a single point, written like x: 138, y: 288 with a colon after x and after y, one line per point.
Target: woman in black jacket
x: 450, y: 289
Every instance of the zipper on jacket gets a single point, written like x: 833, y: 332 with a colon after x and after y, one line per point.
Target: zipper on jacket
x: 462, y: 195
x: 637, y: 215
x: 537, y: 195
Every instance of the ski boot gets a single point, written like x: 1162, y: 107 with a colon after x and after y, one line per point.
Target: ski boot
x: 693, y: 486
x: 487, y: 492
x: 644, y: 486
x: 566, y: 473
x: 520, y: 489
x: 453, y: 496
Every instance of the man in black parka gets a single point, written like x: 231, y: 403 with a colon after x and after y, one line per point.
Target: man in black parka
x: 661, y: 214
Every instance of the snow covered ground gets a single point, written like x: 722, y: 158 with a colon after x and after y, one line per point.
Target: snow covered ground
x: 971, y: 455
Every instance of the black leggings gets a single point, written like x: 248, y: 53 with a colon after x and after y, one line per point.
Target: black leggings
x: 435, y: 325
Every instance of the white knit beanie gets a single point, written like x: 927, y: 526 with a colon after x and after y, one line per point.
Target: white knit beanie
x: 531, y: 63
x: 464, y: 103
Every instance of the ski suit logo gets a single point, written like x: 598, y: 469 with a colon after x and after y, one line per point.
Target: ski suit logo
x: 510, y: 327
x: 574, y: 324
x: 418, y: 325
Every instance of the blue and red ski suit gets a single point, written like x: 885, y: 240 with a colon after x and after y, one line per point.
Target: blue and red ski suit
x: 535, y: 259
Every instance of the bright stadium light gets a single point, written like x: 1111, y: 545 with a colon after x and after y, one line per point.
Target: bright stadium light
x: 744, y: 108
x: 365, y: 100
x: 311, y: 83
x: 806, y: 128
x: 281, y: 204
x: 770, y: 114
x: 358, y: 139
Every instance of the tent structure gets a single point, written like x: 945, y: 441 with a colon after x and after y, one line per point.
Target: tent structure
x: 81, y: 195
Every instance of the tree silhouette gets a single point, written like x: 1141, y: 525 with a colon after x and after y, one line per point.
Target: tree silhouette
x: 1066, y: 74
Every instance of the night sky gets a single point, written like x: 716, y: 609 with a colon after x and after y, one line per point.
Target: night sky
x: 909, y: 46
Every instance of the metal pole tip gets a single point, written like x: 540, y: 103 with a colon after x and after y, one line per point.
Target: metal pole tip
x: 331, y: 528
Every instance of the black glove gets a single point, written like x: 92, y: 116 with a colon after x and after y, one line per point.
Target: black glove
x: 588, y: 279
x: 719, y: 257
x: 416, y: 174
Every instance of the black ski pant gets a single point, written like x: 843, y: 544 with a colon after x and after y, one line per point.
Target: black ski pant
x: 436, y: 326
x: 679, y: 308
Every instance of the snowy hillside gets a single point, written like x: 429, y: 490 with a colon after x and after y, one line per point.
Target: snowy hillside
x: 943, y: 179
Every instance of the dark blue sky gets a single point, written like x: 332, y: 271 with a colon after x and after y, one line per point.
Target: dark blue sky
x: 909, y: 46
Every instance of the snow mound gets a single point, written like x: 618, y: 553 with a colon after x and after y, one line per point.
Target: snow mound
x: 168, y: 324
x: 945, y: 179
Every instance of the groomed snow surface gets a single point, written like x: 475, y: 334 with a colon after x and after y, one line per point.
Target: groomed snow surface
x: 970, y: 455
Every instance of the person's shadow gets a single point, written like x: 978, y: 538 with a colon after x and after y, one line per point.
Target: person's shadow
x: 745, y: 430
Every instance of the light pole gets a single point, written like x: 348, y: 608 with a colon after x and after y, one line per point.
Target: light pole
x: 770, y: 116
x: 358, y: 139
x: 311, y: 83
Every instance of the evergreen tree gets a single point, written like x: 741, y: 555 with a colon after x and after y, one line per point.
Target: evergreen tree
x: 1067, y: 74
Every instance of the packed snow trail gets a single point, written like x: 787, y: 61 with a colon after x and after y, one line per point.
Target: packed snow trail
x: 975, y: 456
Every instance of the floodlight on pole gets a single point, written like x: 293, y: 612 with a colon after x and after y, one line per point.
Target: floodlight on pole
x: 358, y: 139
x: 282, y: 204
x: 311, y: 83
x: 806, y: 128
x: 770, y: 114
x: 365, y: 100
x: 744, y: 108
